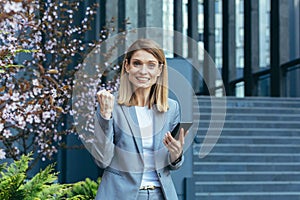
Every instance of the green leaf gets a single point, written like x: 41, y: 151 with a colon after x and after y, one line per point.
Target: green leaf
x: 39, y: 182
x: 55, y: 191
x: 12, y: 178
x: 2, y: 166
x: 24, y: 51
x: 84, y: 190
x: 16, y: 66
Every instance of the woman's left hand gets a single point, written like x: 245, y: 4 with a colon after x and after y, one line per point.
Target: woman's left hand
x: 174, y: 146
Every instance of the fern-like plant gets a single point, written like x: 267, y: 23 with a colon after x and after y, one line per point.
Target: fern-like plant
x: 15, y: 185
x: 12, y: 177
x: 84, y: 190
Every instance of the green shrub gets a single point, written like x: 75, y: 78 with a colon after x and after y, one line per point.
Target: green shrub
x: 84, y: 190
x: 14, y: 184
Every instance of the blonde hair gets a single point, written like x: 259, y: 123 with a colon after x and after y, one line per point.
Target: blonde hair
x: 159, y: 91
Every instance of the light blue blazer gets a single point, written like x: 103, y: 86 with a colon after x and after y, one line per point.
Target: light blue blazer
x: 119, y: 152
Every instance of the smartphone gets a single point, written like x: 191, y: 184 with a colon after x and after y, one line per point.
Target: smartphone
x: 185, y: 125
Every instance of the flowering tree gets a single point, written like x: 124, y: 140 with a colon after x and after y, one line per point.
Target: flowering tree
x: 47, y: 44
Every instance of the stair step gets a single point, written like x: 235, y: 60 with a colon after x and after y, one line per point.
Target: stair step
x: 246, y: 186
x: 252, y: 99
x: 252, y: 140
x: 239, y: 105
x: 251, y: 137
x: 254, y: 131
x: 247, y: 157
x: 244, y: 166
x: 229, y: 173
x: 249, y: 117
x: 247, y: 195
x: 249, y: 124
x: 247, y: 103
x: 252, y: 148
x: 257, y: 110
x: 247, y: 176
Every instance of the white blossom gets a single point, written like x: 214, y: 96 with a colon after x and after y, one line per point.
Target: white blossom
x: 15, y: 96
x: 17, y: 151
x: 5, y: 115
x: 37, y: 119
x: 13, y: 106
x: 21, y: 121
x: 13, y: 6
x: 1, y: 127
x: 54, y: 93
x: 46, y: 115
x: 29, y: 119
x: 2, y: 154
x: 37, y: 91
x: 35, y: 82
x: 37, y: 107
x: 7, y: 133
x: 53, y: 114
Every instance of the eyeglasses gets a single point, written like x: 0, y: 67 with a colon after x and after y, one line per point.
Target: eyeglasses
x: 149, y: 65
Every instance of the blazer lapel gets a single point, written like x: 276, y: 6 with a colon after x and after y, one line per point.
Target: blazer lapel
x: 159, y: 120
x: 130, y: 115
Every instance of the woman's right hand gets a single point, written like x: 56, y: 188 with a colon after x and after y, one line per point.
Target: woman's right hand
x: 106, y: 101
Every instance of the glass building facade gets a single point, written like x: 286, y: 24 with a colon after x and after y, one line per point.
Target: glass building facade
x: 240, y: 36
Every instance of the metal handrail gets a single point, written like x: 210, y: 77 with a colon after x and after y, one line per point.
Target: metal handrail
x: 256, y: 75
x: 290, y: 64
x: 264, y: 72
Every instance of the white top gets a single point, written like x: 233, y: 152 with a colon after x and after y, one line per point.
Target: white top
x: 145, y: 119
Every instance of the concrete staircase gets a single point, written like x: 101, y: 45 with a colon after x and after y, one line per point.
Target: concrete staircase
x: 256, y: 157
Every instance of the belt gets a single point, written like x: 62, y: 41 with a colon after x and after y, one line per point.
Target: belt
x: 148, y: 187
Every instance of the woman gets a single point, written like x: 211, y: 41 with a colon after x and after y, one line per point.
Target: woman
x: 137, y: 149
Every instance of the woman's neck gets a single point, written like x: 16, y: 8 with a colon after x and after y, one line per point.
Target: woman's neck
x: 142, y: 96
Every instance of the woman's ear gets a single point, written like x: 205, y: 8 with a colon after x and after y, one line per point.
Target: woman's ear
x: 126, y: 65
x: 160, y: 68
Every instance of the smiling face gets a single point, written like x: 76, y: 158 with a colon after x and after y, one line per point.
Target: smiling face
x: 143, y: 69
x: 144, y: 76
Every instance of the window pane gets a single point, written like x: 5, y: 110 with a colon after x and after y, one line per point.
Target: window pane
x: 264, y: 33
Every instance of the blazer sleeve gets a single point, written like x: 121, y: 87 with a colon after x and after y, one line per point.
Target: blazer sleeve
x: 103, y: 147
x: 175, y: 121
